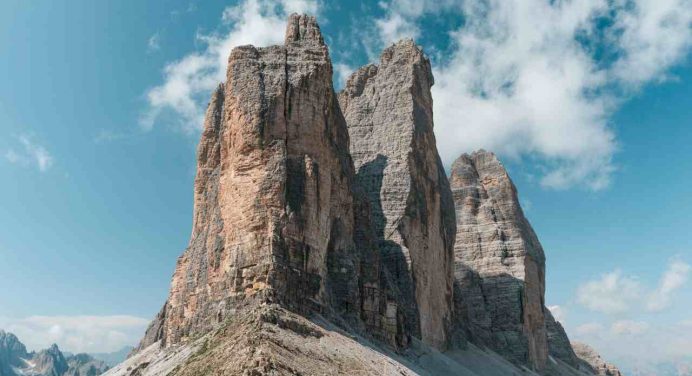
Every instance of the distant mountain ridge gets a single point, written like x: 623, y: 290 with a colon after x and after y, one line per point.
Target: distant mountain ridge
x: 115, y: 357
x: 15, y: 360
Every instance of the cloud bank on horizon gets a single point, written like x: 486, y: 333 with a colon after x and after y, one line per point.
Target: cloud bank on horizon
x: 533, y: 80
x: 91, y: 334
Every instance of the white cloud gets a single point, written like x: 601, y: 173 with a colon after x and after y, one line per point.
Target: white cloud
x: 612, y: 293
x: 674, y: 278
x: 558, y: 313
x: 524, y: 80
x: 627, y: 305
x: 396, y: 27
x: 77, y: 333
x: 636, y: 343
x: 342, y: 72
x: 31, y: 153
x: 615, y: 293
x: 188, y: 81
x: 629, y: 327
x: 153, y: 43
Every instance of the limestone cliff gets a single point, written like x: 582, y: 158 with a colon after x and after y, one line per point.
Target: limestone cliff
x: 327, y: 239
x: 559, y: 346
x: 274, y: 208
x: 499, y: 263
x: 388, y: 109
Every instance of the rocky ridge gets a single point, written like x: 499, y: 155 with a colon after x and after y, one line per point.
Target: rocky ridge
x: 16, y: 361
x: 327, y: 238
x: 590, y: 360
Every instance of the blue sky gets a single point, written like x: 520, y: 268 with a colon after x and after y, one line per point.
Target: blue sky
x: 588, y: 104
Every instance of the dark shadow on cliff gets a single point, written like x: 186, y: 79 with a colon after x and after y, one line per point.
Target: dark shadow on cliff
x: 490, y: 313
x: 395, y: 274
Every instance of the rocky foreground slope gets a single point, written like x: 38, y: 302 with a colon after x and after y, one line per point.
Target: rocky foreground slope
x: 16, y: 361
x: 327, y: 238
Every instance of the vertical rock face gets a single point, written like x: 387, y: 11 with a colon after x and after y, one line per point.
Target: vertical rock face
x: 388, y: 109
x: 341, y: 206
x: 559, y: 346
x: 593, y: 362
x: 273, y: 212
x: 499, y: 263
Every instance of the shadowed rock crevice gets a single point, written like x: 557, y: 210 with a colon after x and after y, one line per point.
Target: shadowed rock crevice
x: 394, y: 265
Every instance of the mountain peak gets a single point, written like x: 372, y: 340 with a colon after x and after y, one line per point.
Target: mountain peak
x: 302, y: 27
x: 326, y: 230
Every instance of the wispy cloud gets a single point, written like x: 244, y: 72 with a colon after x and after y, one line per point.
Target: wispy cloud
x: 612, y: 293
x: 632, y: 327
x: 30, y: 153
x: 342, y: 72
x: 77, y: 333
x: 189, y: 80
x: 153, y: 44
x: 673, y: 279
x: 615, y: 293
x: 629, y: 327
x: 542, y: 78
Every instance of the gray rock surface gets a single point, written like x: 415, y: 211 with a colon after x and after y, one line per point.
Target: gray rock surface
x: 12, y: 353
x: 590, y: 359
x: 388, y: 109
x: 559, y: 346
x: 499, y: 263
x: 270, y: 340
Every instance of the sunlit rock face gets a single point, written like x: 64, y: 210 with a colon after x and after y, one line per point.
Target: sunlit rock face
x: 326, y: 236
x: 275, y: 214
x: 388, y: 109
x: 499, y: 263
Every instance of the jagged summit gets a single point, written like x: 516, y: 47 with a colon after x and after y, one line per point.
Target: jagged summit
x: 16, y: 361
x: 497, y: 258
x: 303, y: 27
x: 327, y: 239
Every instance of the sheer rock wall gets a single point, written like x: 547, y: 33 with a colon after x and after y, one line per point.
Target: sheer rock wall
x: 499, y: 263
x: 388, y: 109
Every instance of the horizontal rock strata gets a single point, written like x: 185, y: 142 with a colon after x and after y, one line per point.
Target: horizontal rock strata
x: 388, y: 109
x: 499, y: 263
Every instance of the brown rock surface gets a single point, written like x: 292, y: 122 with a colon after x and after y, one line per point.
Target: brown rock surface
x: 303, y: 261
x: 273, y: 213
x: 388, y: 109
x: 499, y: 263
